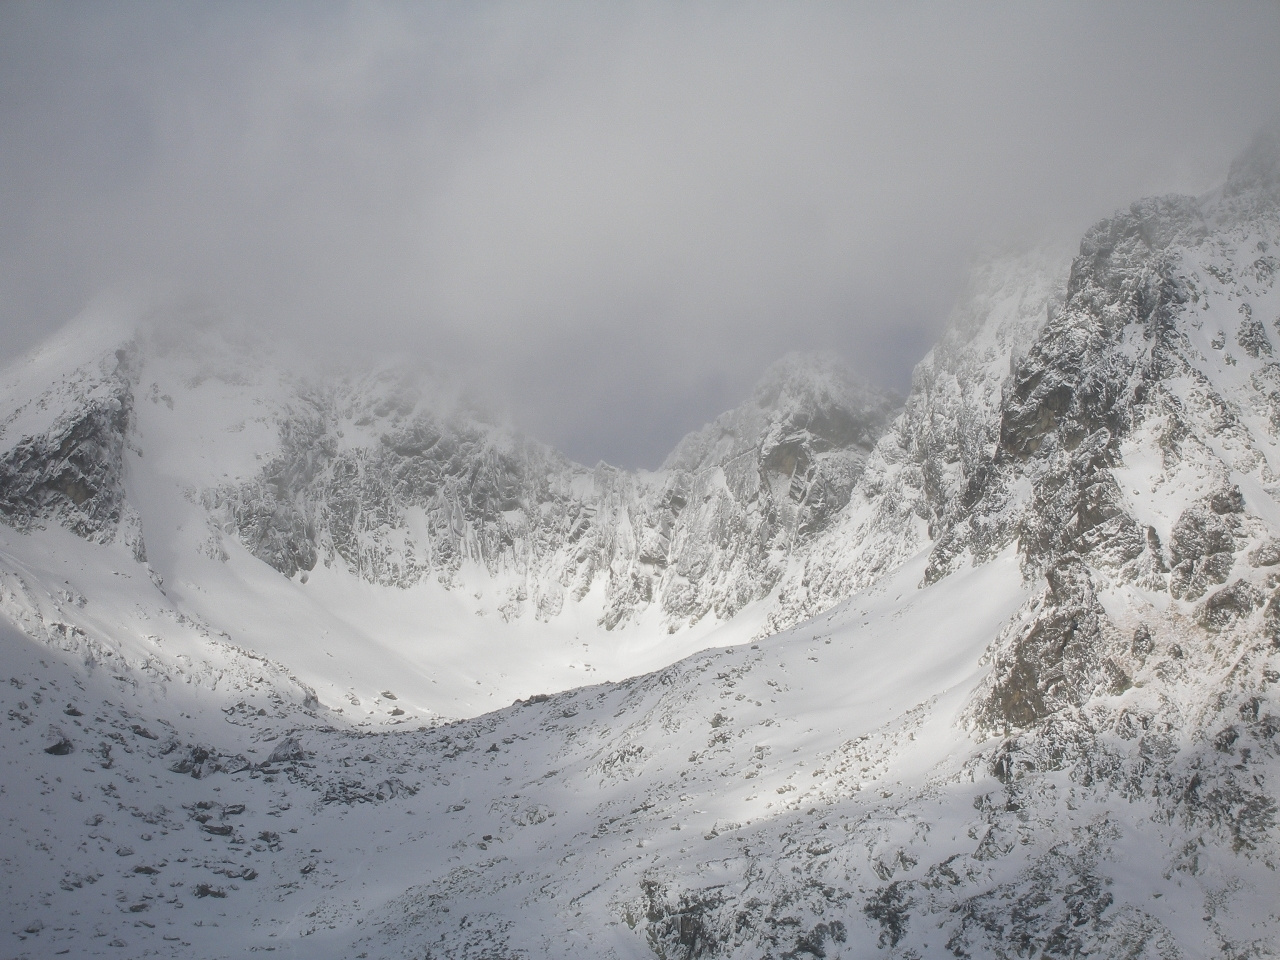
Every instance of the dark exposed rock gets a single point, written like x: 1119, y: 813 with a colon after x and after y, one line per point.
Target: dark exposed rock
x: 1202, y: 547
x: 1252, y: 335
x: 287, y: 750
x: 1266, y: 554
x: 1231, y: 604
x: 1060, y: 907
x: 200, y: 761
x: 890, y: 907
x: 1060, y: 658
x: 814, y: 942
x: 73, y: 475
x: 1227, y: 501
x: 1142, y: 644
x: 685, y: 928
x: 348, y: 791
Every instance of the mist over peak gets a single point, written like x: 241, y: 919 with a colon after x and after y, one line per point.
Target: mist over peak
x: 1257, y: 168
x: 613, y: 218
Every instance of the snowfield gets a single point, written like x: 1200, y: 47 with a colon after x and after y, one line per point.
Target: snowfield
x: 357, y: 841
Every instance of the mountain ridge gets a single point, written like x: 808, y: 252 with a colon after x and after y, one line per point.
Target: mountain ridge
x: 356, y: 457
x: 1037, y: 712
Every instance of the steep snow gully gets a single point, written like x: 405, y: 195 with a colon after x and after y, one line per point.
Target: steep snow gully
x: 328, y: 664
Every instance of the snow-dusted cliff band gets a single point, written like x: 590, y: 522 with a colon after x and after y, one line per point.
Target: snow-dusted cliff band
x: 988, y: 674
x: 384, y: 477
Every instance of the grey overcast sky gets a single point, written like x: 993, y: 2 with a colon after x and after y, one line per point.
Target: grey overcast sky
x: 610, y: 216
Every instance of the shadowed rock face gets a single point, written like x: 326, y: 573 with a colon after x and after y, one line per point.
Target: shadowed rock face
x: 73, y: 473
x: 1093, y: 377
x: 1203, y: 545
x: 1060, y: 659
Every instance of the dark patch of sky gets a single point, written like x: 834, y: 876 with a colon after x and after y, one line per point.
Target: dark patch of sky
x: 614, y: 216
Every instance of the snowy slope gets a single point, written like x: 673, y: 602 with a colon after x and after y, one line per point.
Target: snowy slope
x: 716, y: 755
x: 334, y: 519
x: 1040, y: 718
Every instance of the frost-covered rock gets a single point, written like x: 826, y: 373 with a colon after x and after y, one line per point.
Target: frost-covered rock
x: 426, y: 492
x: 1123, y: 432
x: 918, y: 481
x: 64, y: 454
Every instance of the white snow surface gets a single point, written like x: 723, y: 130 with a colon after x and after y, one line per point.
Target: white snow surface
x: 536, y: 812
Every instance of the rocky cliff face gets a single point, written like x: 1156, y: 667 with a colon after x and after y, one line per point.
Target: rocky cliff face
x: 1126, y: 438
x: 918, y: 478
x: 748, y: 494
x: 64, y: 459
x: 383, y: 475
x: 370, y: 475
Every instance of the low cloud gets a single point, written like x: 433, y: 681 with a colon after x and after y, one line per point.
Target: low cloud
x: 611, y: 217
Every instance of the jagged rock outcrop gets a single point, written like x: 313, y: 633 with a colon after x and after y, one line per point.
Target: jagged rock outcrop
x: 64, y: 457
x: 1126, y: 388
x: 392, y: 479
x: 921, y: 478
x: 770, y: 477
x: 372, y: 475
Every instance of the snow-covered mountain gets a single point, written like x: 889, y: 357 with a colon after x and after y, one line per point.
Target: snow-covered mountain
x: 996, y: 678
x: 336, y: 493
